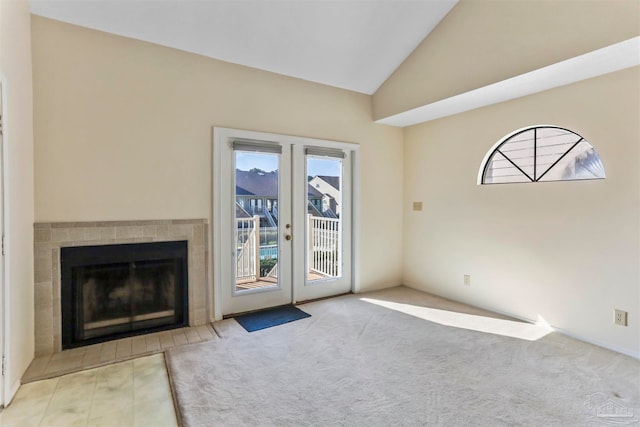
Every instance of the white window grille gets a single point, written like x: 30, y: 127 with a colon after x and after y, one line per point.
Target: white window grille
x: 541, y: 153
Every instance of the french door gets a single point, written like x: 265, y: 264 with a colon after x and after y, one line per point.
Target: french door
x: 282, y: 219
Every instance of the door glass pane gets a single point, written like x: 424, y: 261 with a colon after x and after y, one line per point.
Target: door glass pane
x: 256, y: 229
x: 324, y: 226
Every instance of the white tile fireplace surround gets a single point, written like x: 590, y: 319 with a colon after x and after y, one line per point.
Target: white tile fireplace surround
x: 50, y: 237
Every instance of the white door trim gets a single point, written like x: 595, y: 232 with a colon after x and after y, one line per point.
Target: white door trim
x: 220, y: 137
x: 234, y: 300
x: 5, y: 387
x: 321, y: 288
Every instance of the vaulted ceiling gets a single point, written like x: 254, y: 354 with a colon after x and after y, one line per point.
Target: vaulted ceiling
x: 350, y: 44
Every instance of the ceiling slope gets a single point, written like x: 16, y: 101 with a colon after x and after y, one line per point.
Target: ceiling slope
x: 350, y: 44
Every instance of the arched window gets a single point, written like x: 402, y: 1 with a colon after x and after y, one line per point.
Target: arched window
x: 541, y: 153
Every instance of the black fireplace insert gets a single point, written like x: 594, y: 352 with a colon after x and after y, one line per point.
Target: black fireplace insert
x: 114, y: 291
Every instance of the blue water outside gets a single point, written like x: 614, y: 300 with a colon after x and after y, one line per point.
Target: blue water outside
x: 268, y: 251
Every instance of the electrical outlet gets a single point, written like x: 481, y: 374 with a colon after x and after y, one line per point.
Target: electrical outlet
x: 620, y: 317
x: 467, y: 279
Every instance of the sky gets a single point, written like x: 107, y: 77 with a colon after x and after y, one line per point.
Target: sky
x: 269, y: 163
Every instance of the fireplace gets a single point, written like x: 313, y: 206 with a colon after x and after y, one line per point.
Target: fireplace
x: 114, y: 291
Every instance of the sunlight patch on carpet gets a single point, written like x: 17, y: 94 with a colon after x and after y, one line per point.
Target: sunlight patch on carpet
x: 507, y: 328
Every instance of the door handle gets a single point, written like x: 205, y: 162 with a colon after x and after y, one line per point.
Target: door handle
x: 287, y: 237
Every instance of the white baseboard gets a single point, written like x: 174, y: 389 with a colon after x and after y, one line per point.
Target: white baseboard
x: 13, y: 389
x: 626, y: 351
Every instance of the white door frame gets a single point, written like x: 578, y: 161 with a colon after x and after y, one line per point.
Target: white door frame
x: 234, y: 301
x: 4, y: 385
x: 333, y: 285
x: 222, y: 136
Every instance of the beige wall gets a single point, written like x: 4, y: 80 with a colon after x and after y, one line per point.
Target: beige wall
x: 482, y: 42
x: 15, y: 71
x: 566, y: 251
x: 123, y: 132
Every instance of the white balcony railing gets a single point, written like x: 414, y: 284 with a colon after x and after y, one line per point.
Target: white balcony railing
x: 324, y: 254
x: 247, y: 249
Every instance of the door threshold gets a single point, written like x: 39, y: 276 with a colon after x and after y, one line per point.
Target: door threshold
x: 323, y: 298
x: 231, y: 316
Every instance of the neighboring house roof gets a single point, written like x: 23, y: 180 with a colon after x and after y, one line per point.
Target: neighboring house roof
x: 253, y: 183
x: 263, y: 184
x: 333, y: 181
x: 313, y: 210
x: 313, y: 193
x: 242, y: 191
x: 240, y: 212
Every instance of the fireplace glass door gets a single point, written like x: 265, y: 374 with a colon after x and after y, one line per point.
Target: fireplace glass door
x: 123, y: 297
x: 118, y: 290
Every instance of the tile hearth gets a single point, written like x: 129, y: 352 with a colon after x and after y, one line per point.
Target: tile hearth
x: 96, y: 355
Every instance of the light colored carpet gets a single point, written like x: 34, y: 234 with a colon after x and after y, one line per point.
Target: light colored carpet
x: 358, y: 361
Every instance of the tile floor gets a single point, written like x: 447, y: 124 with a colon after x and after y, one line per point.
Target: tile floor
x: 116, y: 383
x: 131, y: 393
